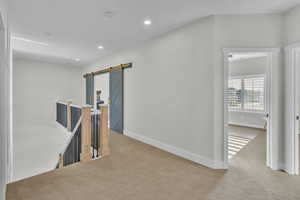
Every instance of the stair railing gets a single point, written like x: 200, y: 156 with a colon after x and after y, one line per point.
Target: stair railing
x: 89, y: 133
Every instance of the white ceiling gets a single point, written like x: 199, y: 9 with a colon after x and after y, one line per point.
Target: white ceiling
x: 74, y: 28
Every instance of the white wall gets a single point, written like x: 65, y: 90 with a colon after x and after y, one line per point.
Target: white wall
x: 248, y: 67
x: 169, y: 90
x: 38, y: 85
x: 292, y: 36
x: 247, y: 31
x: 174, y: 92
x: 251, y: 66
x: 5, y: 107
x: 292, y: 29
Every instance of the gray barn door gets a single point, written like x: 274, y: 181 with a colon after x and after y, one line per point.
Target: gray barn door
x: 89, y: 84
x: 116, y: 100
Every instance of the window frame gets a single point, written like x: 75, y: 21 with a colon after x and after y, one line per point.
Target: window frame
x: 242, y: 109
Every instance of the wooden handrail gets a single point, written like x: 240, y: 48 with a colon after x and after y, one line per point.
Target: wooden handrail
x: 61, y: 102
x: 66, y: 103
x: 61, y: 161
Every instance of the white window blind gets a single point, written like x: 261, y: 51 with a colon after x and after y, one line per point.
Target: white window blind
x: 254, y: 97
x: 234, y: 93
x: 247, y: 93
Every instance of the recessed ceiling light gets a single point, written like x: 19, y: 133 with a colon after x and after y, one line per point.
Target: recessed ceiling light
x: 109, y: 14
x: 47, y: 34
x: 147, y: 22
x: 100, y: 47
x: 77, y: 59
x: 29, y: 41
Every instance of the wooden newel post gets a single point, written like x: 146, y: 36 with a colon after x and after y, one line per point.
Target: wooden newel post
x: 61, y: 161
x: 86, y: 154
x: 69, y: 115
x: 104, y: 132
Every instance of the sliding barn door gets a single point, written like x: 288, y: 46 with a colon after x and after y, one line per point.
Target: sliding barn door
x: 116, y: 100
x: 89, y: 91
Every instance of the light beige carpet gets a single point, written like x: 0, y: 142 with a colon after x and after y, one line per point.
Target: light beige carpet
x: 245, y: 132
x: 136, y: 171
x: 239, y: 137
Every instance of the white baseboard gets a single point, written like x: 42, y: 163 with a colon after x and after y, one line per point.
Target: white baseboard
x: 287, y: 169
x: 281, y: 166
x: 220, y: 165
x: 175, y: 150
x: 246, y: 125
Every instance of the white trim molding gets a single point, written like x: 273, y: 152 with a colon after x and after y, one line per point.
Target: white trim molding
x: 250, y: 50
x: 76, y: 106
x: 176, y: 151
x: 292, y: 108
x: 61, y: 102
x: 292, y: 46
x: 246, y: 125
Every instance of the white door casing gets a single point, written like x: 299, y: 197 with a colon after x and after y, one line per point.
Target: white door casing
x: 271, y: 103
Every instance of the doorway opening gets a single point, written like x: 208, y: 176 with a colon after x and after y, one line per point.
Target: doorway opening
x: 109, y: 90
x: 247, y: 105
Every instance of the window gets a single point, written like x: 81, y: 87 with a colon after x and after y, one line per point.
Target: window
x: 246, y: 93
x: 235, y: 93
